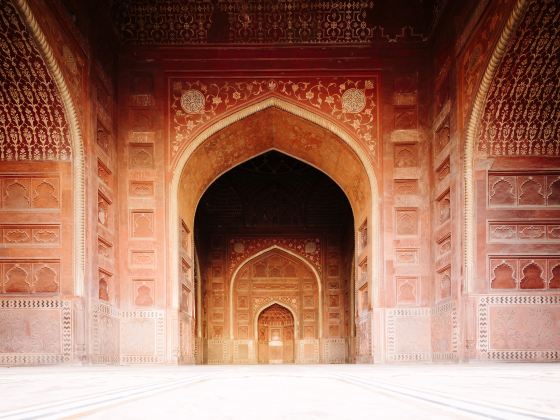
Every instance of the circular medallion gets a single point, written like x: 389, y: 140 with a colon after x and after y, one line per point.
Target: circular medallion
x: 310, y: 247
x: 192, y: 101
x: 238, y: 247
x: 353, y: 100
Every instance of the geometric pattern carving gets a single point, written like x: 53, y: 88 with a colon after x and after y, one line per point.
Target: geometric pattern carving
x: 104, y: 173
x: 524, y: 272
x: 445, y: 332
x: 105, y: 334
x: 104, y: 248
x: 142, y: 336
x: 142, y: 258
x: 523, y: 189
x: 524, y: 95
x: 519, y: 328
x: 407, y: 222
x: 335, y: 350
x: 33, y: 125
x: 172, y: 22
x: 443, y: 246
x: 364, y: 343
x: 353, y: 100
x: 443, y: 170
x: 362, y: 235
x: 405, y: 117
x: 141, y: 188
x: 408, y: 334
x: 35, y: 331
x: 319, y: 95
x: 406, y: 186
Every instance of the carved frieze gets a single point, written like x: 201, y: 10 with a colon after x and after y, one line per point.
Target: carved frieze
x: 352, y: 103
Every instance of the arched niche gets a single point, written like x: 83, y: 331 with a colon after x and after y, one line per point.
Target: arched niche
x: 294, y: 270
x: 274, y: 124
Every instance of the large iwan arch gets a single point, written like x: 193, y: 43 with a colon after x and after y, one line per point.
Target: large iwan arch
x: 328, y: 148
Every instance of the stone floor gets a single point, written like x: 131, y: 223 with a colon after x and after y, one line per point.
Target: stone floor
x: 500, y: 391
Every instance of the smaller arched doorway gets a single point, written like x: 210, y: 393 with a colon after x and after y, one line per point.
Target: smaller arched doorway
x: 276, y: 335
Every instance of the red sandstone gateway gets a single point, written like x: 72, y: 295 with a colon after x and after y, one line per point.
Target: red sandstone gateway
x: 245, y: 182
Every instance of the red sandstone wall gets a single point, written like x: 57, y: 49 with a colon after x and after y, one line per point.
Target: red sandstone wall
x: 412, y: 127
x: 512, y: 309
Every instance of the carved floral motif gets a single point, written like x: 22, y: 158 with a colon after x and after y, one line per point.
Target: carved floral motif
x: 32, y: 121
x: 357, y: 111
x: 523, y: 102
x: 250, y: 246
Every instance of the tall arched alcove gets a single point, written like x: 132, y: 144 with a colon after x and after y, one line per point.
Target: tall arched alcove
x: 512, y: 192
x: 299, y: 139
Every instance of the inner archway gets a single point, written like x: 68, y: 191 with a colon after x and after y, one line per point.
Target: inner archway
x: 276, y: 335
x: 275, y: 231
x: 272, y: 126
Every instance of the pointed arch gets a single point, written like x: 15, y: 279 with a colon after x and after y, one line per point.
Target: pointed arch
x: 373, y: 217
x: 267, y: 305
x: 264, y: 252
x: 472, y: 126
x: 78, y: 164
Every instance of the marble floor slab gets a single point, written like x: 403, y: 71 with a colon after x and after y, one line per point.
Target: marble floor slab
x: 499, y: 391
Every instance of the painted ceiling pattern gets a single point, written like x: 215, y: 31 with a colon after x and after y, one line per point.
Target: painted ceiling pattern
x: 175, y: 22
x: 32, y: 121
x: 522, y: 112
x: 351, y: 103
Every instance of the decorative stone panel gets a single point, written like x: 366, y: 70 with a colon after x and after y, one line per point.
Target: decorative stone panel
x: 408, y: 334
x: 519, y: 328
x: 142, y: 337
x: 35, y: 331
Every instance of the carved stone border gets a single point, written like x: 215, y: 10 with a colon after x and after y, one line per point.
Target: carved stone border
x: 454, y: 353
x: 159, y: 337
x: 472, y: 127
x: 391, y: 335
x: 225, y: 345
x: 330, y: 356
x: 483, y: 336
x: 78, y: 164
x: 66, y: 330
x: 108, y: 310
